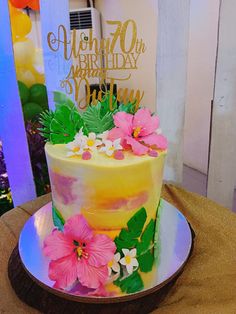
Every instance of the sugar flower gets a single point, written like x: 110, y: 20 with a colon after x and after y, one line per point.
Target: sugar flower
x: 92, y: 142
x: 110, y: 147
x: 80, y: 137
x: 83, y: 143
x: 80, y: 290
x: 76, y: 147
x: 103, y: 136
x: 114, y: 265
x: 138, y: 131
x: 78, y: 254
x: 129, y: 260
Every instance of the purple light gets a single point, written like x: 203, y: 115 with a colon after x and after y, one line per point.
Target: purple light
x: 12, y: 130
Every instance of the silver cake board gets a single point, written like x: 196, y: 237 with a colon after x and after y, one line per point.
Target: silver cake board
x: 28, y: 268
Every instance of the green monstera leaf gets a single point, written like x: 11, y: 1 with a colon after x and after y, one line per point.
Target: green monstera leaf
x: 130, y: 284
x: 62, y: 99
x: 57, y: 218
x: 146, y: 261
x: 145, y: 248
x: 65, y: 124
x: 95, y: 121
x: 157, y: 230
x: 128, y: 238
x: 139, y: 235
x: 61, y: 126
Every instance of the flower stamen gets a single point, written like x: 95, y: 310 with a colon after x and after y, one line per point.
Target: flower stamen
x: 81, y: 253
x: 136, y: 131
x: 127, y: 259
x: 76, y: 149
x: 110, y: 263
x: 90, y: 142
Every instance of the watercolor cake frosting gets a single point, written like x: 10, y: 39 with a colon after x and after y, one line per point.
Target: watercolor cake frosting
x: 106, y: 168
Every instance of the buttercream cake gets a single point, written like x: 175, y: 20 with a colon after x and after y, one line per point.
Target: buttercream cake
x: 106, y: 170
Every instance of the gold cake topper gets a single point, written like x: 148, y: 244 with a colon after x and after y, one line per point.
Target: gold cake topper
x: 94, y: 58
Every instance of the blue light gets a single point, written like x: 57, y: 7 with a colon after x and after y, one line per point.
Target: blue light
x: 12, y: 130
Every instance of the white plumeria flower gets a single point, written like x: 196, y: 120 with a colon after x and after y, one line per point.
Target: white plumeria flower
x: 80, y: 136
x: 76, y: 147
x: 110, y: 147
x: 92, y: 142
x: 129, y: 260
x: 103, y: 136
x: 114, y: 265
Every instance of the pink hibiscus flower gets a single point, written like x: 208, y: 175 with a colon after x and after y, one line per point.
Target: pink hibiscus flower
x: 78, y: 254
x: 137, y: 131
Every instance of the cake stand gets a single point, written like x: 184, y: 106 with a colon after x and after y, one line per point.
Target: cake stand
x: 28, y: 267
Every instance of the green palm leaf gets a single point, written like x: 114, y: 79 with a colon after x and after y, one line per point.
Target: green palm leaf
x: 130, y: 107
x: 45, y: 119
x: 105, y: 104
x: 95, y: 121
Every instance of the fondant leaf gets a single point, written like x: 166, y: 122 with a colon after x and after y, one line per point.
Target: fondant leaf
x: 55, y: 125
x: 61, y: 98
x: 45, y: 119
x: 130, y: 107
x: 145, y: 248
x: 146, y: 261
x: 146, y: 238
x: 136, y: 223
x: 148, y: 233
x: 59, y: 138
x: 57, y: 218
x: 61, y: 126
x: 105, y: 104
x: 128, y: 238
x: 131, y: 284
x: 157, y: 227
x: 65, y: 124
x: 128, y: 243
x: 95, y: 121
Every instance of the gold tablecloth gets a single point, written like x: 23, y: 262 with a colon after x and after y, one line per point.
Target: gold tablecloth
x: 208, y: 283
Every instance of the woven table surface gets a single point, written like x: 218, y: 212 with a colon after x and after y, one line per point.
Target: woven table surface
x: 208, y: 283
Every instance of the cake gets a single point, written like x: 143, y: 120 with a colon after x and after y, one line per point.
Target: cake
x: 106, y: 169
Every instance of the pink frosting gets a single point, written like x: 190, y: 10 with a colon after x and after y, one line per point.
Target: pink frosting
x: 62, y: 187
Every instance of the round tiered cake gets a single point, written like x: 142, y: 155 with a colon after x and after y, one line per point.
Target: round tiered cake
x: 106, y: 180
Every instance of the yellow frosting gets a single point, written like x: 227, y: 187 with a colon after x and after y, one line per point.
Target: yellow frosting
x: 106, y: 191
